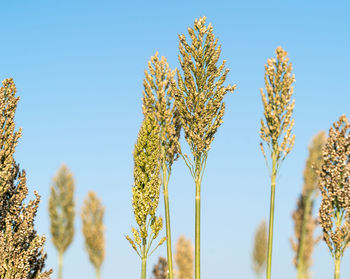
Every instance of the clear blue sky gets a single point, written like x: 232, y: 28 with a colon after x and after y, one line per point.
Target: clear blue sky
x: 78, y: 67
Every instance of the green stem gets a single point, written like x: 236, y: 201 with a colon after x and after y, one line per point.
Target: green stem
x: 336, y: 267
x: 272, y: 209
x: 167, y: 221
x: 98, y: 273
x: 300, y: 260
x: 197, y: 228
x: 338, y: 253
x: 60, y: 265
x: 143, y: 267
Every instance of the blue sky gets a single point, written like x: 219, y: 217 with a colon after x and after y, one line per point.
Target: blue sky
x: 78, y: 67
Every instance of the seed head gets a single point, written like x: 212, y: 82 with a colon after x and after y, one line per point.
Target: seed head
x: 158, y: 98
x: 61, y: 209
x: 146, y: 171
x: 309, y: 240
x: 160, y: 270
x: 260, y: 249
x: 334, y: 213
x: 304, y: 222
x: 21, y: 248
x: 93, y: 229
x: 146, y: 185
x: 276, y: 129
x: 199, y: 93
x: 314, y: 164
x: 184, y: 258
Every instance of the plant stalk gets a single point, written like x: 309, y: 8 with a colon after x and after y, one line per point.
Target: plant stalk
x: 143, y: 267
x: 197, y: 228
x: 337, y: 268
x: 60, y: 265
x: 272, y: 210
x: 167, y: 219
x: 98, y: 273
x: 301, y: 266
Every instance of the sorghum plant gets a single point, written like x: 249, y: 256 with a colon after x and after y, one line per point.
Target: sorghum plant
x: 93, y: 229
x: 145, y: 192
x: 276, y: 130
x: 160, y: 270
x: 304, y: 222
x: 62, y: 213
x: 184, y: 258
x: 158, y: 99
x: 21, y: 248
x: 334, y: 183
x: 260, y: 249
x: 199, y: 101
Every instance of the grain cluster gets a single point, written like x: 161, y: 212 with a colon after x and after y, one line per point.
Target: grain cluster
x: 92, y: 215
x: 146, y: 187
x: 276, y: 127
x: 21, y: 248
x: 334, y: 183
x: 200, y: 91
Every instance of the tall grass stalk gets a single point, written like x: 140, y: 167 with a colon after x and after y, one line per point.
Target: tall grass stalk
x: 276, y: 129
x: 62, y: 213
x: 199, y: 100
x: 304, y: 222
x: 158, y: 99
x: 334, y: 212
x: 145, y: 191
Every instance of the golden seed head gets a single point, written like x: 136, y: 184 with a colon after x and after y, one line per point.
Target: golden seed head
x: 160, y: 270
x: 276, y: 128
x: 199, y: 92
x: 21, y: 248
x: 61, y: 209
x: 146, y: 184
x: 158, y: 98
x: 146, y: 171
x: 334, y: 212
x: 260, y: 249
x: 314, y: 163
x: 303, y: 212
x: 184, y: 258
x: 8, y: 136
x: 93, y: 229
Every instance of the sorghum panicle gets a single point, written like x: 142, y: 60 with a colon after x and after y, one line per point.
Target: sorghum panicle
x: 260, y: 249
x: 146, y: 187
x: 21, y: 248
x: 184, y: 258
x: 200, y: 92
x: 158, y: 98
x: 61, y: 209
x: 276, y: 129
x: 304, y: 222
x: 93, y: 229
x: 160, y: 270
x: 334, y: 183
x: 314, y: 164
